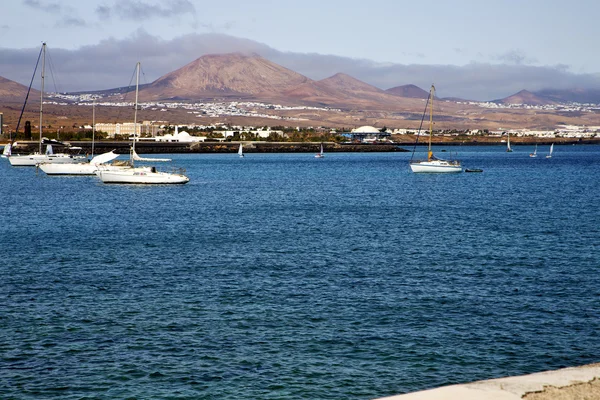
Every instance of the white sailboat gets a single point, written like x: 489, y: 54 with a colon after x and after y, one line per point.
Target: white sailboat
x: 139, y: 175
x: 534, y: 154
x: 241, y: 151
x: 551, y: 151
x: 86, y: 168
x: 508, y: 148
x: 31, y: 160
x: 81, y: 168
x: 433, y: 164
x: 320, y: 154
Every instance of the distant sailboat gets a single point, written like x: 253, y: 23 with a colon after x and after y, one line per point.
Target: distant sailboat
x: 7, y: 151
x: 320, y: 154
x: 551, y: 151
x: 241, y: 151
x: 508, y: 148
x: 534, y: 154
x: 433, y: 164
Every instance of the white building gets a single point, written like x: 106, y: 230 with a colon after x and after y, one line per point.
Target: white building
x: 181, y: 137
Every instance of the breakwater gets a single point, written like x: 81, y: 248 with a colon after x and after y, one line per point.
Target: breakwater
x: 122, y: 147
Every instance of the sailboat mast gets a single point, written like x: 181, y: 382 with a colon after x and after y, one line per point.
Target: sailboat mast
x: 42, y: 93
x: 93, y: 125
x: 431, y: 94
x: 137, y: 84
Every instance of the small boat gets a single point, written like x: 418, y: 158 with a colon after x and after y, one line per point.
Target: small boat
x: 433, y: 164
x: 241, y: 151
x: 551, y: 151
x: 534, y: 154
x: 473, y: 170
x: 320, y: 154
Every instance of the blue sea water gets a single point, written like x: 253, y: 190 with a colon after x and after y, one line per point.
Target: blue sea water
x: 282, y: 276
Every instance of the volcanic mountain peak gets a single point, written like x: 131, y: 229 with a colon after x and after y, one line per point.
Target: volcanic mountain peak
x: 345, y: 82
x: 222, y: 74
x: 411, y: 91
x: 525, y: 97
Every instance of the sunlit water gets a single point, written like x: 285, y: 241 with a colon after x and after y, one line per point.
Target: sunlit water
x: 284, y: 276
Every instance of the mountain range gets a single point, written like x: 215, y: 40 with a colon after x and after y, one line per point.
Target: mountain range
x: 238, y: 76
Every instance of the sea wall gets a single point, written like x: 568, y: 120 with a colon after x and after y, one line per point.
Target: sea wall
x: 122, y: 147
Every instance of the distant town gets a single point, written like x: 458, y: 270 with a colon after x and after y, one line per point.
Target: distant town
x: 165, y: 131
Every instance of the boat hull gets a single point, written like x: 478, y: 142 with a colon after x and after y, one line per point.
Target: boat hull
x: 141, y: 176
x: 437, y: 166
x: 69, y: 169
x: 31, y: 160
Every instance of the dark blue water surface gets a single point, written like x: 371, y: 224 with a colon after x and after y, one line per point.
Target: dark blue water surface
x: 282, y: 276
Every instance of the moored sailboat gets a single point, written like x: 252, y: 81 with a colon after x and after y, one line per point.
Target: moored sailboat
x: 433, y: 164
x: 86, y: 168
x: 81, y: 168
x: 31, y: 160
x: 139, y: 175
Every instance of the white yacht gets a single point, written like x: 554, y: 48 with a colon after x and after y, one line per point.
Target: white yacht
x: 139, y: 175
x: 433, y: 164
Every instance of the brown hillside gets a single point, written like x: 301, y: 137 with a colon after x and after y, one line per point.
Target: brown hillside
x: 13, y: 92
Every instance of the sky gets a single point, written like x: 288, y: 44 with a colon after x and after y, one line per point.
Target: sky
x: 469, y: 48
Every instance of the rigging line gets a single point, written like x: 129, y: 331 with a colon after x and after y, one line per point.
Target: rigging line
x: 143, y: 75
x: 126, y: 90
x: 420, y: 126
x: 28, y: 91
x: 51, y: 67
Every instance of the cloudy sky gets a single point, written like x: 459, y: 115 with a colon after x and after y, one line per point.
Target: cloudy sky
x: 469, y: 48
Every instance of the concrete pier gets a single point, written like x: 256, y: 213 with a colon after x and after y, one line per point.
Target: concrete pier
x: 577, y: 383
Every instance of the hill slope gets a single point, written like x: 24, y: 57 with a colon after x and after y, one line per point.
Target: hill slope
x: 13, y: 92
